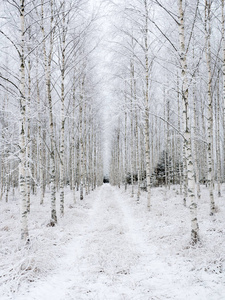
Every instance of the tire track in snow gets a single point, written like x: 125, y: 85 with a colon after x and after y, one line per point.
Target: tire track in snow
x: 109, y: 256
x: 152, y: 274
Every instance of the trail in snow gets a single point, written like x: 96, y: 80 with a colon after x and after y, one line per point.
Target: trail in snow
x: 111, y: 257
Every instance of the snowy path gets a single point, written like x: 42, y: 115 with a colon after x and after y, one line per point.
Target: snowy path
x: 111, y: 257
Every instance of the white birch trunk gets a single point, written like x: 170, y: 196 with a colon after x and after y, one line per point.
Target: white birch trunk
x: 125, y: 140
x: 85, y: 147
x: 195, y: 135
x: 137, y: 153
x: 179, y: 142
x: 22, y: 134
x: 62, y: 141
x: 62, y: 132
x: 39, y: 139
x: 73, y: 144
x: 204, y: 155
x: 3, y: 149
x: 28, y: 141
x: 218, y: 152
x: 195, y: 147
x: 81, y: 144
x: 187, y: 132
x: 117, y: 156
x: 223, y: 59
x: 78, y: 160
x: 131, y: 130
x: 90, y: 152
x: 146, y: 113
x: 167, y: 133
x: 47, y: 63
x: 95, y: 160
x: 210, y: 108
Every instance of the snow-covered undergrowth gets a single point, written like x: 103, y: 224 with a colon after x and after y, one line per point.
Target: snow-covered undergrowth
x: 20, y: 264
x: 110, y: 247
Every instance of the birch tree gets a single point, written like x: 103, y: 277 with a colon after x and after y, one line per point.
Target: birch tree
x: 62, y: 131
x: 22, y: 136
x: 187, y: 132
x: 223, y: 69
x: 210, y: 104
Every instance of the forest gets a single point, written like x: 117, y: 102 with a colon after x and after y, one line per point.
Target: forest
x: 110, y: 99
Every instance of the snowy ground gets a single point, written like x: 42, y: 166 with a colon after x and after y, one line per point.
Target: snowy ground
x: 110, y: 247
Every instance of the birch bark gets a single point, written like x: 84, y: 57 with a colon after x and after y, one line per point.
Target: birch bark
x: 181, y: 176
x: 218, y: 152
x: 223, y: 60
x: 187, y: 132
x: 22, y: 135
x: 39, y: 139
x: 28, y: 140
x: 146, y: 127
x: 196, y: 145
x: 210, y: 105
x: 81, y: 143
x: 3, y: 156
x: 195, y: 134
x: 73, y: 143
x: 131, y: 128
x: 62, y: 132
x: 47, y: 63
x: 125, y: 139
x: 137, y: 152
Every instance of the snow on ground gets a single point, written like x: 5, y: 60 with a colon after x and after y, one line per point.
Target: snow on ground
x: 110, y: 247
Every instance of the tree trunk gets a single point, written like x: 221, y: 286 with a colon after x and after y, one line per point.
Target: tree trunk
x: 28, y: 140
x: 73, y: 144
x: 218, y: 152
x: 146, y: 127
x: 187, y: 132
x: 39, y: 138
x: 210, y: 106
x: 47, y: 63
x: 125, y: 140
x: 22, y: 134
x: 81, y: 143
x: 62, y: 132
x: 223, y: 59
x: 137, y: 152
